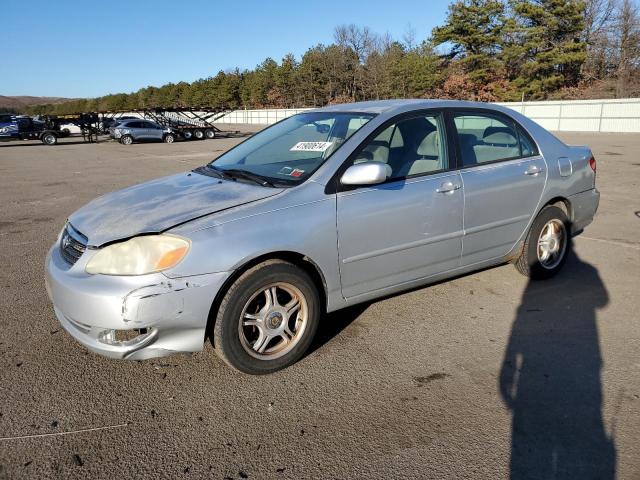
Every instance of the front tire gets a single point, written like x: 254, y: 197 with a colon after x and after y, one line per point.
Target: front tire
x: 267, y: 319
x: 126, y: 140
x: 547, y: 245
x: 49, y: 139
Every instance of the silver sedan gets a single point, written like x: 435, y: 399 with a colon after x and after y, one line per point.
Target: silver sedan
x: 326, y: 209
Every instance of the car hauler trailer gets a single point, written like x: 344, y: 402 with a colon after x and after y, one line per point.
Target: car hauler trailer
x: 46, y: 128
x: 189, y: 123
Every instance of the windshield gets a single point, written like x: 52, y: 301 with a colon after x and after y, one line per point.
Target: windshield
x: 291, y: 150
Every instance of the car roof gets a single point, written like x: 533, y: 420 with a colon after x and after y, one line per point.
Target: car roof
x: 389, y: 106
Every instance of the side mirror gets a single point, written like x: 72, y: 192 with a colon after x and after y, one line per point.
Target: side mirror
x: 366, y: 173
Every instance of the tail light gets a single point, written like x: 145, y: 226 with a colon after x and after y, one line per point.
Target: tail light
x: 592, y: 164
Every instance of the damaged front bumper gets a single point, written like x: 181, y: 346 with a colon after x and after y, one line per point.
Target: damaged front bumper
x: 135, y: 317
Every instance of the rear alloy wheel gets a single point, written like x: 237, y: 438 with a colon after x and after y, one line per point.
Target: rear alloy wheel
x: 210, y: 133
x: 267, y: 318
x: 546, y: 246
x: 49, y: 139
x: 198, y: 134
x: 126, y: 140
x: 169, y: 138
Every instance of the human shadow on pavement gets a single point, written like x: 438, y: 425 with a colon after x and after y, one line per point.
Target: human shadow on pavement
x: 550, y: 380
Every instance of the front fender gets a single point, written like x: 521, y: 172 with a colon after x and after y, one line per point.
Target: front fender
x: 308, y: 229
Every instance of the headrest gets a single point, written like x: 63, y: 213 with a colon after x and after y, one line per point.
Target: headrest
x: 499, y: 135
x: 430, y: 145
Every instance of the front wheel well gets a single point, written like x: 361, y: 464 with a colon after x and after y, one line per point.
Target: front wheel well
x: 297, y: 259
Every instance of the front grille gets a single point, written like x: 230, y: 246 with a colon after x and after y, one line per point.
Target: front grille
x: 72, y: 244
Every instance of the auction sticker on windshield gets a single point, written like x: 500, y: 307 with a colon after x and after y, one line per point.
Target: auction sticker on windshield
x: 310, y: 146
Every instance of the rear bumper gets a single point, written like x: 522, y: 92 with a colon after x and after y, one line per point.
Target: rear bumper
x: 160, y: 315
x: 584, y: 206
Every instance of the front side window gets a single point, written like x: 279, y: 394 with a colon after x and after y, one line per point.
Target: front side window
x: 291, y: 150
x: 485, y: 138
x: 414, y: 146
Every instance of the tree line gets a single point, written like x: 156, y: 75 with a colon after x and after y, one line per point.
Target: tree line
x: 487, y: 50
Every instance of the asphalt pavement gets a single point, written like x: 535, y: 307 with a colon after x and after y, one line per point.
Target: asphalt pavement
x: 485, y: 376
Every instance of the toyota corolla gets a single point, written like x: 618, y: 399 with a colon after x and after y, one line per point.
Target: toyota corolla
x: 325, y: 209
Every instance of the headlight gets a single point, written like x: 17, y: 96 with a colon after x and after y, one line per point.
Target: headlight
x: 140, y: 255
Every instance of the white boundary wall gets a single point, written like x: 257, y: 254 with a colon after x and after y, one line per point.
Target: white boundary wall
x: 265, y: 116
x: 622, y: 115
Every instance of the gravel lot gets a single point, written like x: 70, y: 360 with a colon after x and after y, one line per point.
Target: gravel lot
x: 469, y: 378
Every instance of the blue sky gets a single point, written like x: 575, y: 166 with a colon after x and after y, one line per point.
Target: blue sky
x: 90, y: 48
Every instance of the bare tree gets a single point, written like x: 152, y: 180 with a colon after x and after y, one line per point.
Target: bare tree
x: 360, y: 39
x: 628, y: 44
x: 598, y: 15
x: 409, y: 37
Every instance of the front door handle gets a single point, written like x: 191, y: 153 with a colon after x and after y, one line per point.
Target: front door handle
x: 448, y: 187
x: 533, y: 170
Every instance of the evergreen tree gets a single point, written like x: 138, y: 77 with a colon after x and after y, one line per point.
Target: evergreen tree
x: 547, y: 44
x: 474, y: 27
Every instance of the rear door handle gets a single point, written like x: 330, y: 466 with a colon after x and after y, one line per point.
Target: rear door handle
x: 448, y: 187
x: 533, y: 170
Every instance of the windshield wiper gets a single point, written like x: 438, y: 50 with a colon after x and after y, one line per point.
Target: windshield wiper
x: 254, y: 177
x: 210, y: 171
x: 233, y: 174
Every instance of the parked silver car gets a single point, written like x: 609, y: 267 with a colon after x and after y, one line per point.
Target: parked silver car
x: 325, y: 209
x: 129, y: 131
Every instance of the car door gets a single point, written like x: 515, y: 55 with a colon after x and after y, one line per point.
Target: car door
x: 409, y: 227
x: 503, y: 176
x: 154, y: 130
x: 147, y: 130
x: 135, y: 129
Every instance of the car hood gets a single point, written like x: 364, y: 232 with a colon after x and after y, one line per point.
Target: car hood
x: 158, y: 205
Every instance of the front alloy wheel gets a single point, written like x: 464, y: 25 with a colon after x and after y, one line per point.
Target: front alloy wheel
x: 273, y: 321
x: 267, y: 318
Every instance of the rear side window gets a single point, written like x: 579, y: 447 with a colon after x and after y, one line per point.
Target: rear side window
x: 485, y: 138
x: 528, y: 148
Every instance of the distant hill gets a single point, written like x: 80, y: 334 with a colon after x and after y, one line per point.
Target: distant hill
x: 20, y: 102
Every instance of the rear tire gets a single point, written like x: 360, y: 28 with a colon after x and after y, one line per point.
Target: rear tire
x: 257, y: 335
x: 126, y: 140
x: 198, y: 134
x: 210, y: 133
x: 546, y: 246
x: 187, y: 134
x: 169, y: 138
